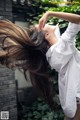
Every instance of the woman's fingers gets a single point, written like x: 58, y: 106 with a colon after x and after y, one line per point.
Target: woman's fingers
x: 42, y: 21
x: 41, y: 24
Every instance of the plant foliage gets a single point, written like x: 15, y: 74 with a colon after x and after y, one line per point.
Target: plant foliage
x: 41, y: 111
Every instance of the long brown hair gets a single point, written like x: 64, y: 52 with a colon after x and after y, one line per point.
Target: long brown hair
x: 26, y: 49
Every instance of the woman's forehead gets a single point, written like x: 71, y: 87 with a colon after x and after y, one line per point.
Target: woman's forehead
x: 45, y: 27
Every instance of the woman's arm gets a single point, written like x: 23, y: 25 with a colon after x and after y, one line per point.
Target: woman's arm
x: 74, y: 18
x: 66, y: 16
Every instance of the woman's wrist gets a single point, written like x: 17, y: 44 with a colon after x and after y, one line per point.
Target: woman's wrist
x: 49, y: 14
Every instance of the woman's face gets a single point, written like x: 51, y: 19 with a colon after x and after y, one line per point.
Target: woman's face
x: 52, y: 33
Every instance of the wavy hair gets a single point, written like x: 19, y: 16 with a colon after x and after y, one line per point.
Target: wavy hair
x: 26, y: 49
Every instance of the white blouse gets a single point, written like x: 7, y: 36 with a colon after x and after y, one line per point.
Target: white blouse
x: 65, y: 59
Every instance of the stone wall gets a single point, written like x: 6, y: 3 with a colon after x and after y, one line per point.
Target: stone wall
x: 6, y: 9
x: 8, y: 92
x: 7, y: 80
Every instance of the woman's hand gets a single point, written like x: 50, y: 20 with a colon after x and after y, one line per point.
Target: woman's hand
x: 43, y: 20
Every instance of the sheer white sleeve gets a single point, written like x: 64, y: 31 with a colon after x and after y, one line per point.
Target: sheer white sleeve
x: 71, y: 32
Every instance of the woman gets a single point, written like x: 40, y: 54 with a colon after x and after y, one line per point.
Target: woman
x: 27, y: 49
x: 65, y: 59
